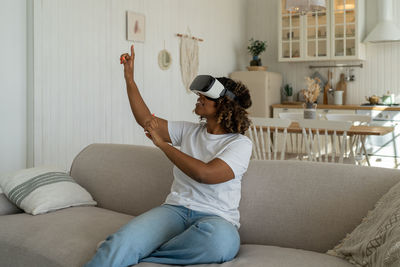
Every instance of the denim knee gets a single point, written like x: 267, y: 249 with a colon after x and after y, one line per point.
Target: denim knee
x: 126, y: 245
x: 222, y: 242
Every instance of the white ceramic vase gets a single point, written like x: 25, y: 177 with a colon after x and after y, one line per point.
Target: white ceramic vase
x: 310, y: 111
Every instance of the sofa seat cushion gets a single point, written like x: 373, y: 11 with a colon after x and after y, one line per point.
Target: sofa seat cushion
x: 66, y: 237
x: 271, y: 256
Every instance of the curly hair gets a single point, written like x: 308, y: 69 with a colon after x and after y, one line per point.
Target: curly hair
x: 231, y: 114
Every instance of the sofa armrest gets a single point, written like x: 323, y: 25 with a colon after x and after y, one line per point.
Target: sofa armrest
x: 7, y: 207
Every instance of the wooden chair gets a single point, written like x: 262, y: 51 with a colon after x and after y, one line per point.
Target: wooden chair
x: 357, y: 142
x: 294, y: 145
x: 260, y: 133
x: 324, y: 128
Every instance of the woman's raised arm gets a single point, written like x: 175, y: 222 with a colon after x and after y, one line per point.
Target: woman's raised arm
x: 139, y: 108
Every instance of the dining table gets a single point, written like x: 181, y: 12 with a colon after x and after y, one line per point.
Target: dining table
x: 355, y: 130
x: 363, y: 130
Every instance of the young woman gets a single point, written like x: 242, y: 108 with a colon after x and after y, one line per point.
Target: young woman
x: 199, y: 221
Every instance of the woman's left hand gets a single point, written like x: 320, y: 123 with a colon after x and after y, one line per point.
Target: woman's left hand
x: 151, y: 128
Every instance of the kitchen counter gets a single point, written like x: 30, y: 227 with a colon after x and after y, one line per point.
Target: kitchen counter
x: 351, y: 107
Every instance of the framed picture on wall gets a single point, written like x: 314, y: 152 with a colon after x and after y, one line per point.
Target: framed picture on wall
x: 135, y: 26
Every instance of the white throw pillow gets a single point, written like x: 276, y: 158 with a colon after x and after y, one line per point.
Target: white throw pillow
x: 6, y: 207
x: 42, y: 189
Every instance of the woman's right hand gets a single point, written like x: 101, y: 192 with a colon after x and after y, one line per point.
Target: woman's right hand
x: 128, y: 61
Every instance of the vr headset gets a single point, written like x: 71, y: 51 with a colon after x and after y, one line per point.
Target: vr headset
x: 210, y: 88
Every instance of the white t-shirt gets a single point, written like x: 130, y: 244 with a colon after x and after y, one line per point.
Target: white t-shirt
x: 220, y: 199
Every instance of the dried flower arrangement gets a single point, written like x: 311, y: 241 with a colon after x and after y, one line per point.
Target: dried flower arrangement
x: 313, y: 89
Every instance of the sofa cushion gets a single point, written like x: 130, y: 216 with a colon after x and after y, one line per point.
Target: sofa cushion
x: 66, y: 237
x: 308, y: 205
x: 270, y: 256
x: 124, y: 178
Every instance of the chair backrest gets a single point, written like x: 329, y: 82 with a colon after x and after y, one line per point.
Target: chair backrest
x: 263, y: 145
x: 356, y: 142
x: 291, y: 116
x: 354, y: 118
x: 326, y: 128
x: 295, y: 142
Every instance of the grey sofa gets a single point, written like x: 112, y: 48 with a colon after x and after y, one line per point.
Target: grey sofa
x: 291, y: 212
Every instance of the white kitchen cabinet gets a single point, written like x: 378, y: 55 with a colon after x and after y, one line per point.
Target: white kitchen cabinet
x: 333, y: 34
x: 276, y: 111
x: 290, y: 36
x: 321, y: 112
x: 347, y: 29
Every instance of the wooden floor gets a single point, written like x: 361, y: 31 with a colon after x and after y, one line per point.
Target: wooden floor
x: 384, y: 162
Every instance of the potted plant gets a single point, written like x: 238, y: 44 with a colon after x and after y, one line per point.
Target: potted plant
x: 311, y: 95
x: 255, y: 48
x: 288, y: 92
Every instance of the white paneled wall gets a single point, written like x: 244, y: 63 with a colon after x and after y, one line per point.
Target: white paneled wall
x: 381, y: 68
x: 13, y: 28
x: 79, y: 90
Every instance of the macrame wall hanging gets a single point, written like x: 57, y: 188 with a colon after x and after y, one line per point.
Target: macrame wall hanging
x: 189, y: 58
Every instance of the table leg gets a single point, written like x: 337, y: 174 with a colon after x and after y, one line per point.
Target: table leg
x: 351, y: 148
x: 364, y: 149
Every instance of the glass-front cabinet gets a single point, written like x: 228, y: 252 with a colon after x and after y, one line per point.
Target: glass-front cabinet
x: 344, y: 21
x: 291, y: 35
x: 317, y: 32
x: 331, y: 34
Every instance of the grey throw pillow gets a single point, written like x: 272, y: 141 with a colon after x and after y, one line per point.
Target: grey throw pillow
x: 376, y: 241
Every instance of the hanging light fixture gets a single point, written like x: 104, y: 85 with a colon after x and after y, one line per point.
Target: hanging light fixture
x: 304, y: 6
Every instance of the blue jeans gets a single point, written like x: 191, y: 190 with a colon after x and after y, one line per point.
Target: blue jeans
x: 170, y: 235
